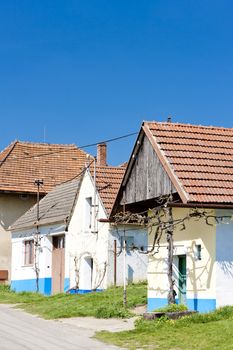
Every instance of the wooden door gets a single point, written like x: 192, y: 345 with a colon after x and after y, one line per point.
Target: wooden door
x: 58, y: 264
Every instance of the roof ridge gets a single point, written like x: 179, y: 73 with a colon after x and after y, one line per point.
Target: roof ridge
x: 30, y: 143
x: 11, y: 146
x: 188, y: 124
x: 104, y: 167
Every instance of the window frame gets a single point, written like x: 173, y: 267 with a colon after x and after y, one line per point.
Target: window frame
x: 88, y: 214
x: 28, y: 252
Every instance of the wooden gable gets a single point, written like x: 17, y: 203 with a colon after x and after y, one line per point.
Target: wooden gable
x: 147, y: 178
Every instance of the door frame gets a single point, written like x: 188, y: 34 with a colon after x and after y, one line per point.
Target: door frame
x: 180, y: 277
x: 58, y: 263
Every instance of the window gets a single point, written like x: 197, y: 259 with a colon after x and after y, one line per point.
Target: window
x: 58, y: 242
x: 29, y: 252
x: 129, y: 242
x: 88, y: 213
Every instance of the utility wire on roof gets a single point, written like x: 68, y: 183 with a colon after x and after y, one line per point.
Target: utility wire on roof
x: 79, y: 174
x: 75, y: 148
x: 60, y: 183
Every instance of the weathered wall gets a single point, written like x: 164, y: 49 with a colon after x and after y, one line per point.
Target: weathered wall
x: 11, y: 208
x: 147, y: 179
x: 201, y: 278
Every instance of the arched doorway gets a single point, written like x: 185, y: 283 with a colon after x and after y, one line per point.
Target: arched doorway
x: 86, y: 273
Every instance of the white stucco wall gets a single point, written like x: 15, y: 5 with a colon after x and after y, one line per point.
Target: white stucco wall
x: 224, y: 259
x: 83, y: 243
x: 136, y: 262
x: 21, y: 274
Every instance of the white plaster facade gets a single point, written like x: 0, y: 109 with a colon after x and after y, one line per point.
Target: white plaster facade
x: 224, y: 258
x: 24, y: 276
x: 89, y: 249
x: 97, y: 243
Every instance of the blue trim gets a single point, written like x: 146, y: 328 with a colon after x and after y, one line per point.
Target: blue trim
x: 201, y: 305
x: 83, y: 291
x: 66, y: 284
x: 155, y: 303
x: 45, y: 285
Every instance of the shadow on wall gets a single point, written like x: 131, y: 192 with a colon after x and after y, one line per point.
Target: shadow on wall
x: 226, y: 267
x: 198, y: 275
x: 130, y: 274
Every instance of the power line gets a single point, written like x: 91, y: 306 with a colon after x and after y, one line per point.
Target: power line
x: 79, y: 174
x: 109, y: 140
x: 75, y: 148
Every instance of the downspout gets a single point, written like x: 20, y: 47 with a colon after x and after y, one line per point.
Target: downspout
x: 94, y: 199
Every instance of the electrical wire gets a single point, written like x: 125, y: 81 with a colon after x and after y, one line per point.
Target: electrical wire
x: 79, y: 174
x: 74, y: 148
x: 109, y: 140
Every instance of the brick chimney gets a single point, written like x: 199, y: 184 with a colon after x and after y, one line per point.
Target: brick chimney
x: 102, y: 154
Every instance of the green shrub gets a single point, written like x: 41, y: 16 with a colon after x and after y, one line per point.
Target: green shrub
x: 109, y: 311
x: 172, y: 308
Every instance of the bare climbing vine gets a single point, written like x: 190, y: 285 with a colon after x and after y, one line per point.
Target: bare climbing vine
x: 159, y: 221
x: 100, y: 269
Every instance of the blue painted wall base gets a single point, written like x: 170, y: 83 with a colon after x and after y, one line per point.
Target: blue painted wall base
x: 201, y: 305
x: 83, y: 291
x: 66, y: 284
x: 45, y: 285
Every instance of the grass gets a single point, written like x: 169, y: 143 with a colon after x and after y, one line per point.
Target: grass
x: 172, y: 308
x: 197, y: 332
x: 104, y: 304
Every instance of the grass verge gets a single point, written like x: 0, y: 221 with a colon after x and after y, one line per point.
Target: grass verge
x: 201, y: 331
x: 104, y: 304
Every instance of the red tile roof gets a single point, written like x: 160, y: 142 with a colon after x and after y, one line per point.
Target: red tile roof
x: 23, y: 162
x: 108, y: 180
x: 198, y: 159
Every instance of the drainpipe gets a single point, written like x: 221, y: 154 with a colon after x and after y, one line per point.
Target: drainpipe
x: 115, y: 262
x: 124, y: 260
x: 94, y: 199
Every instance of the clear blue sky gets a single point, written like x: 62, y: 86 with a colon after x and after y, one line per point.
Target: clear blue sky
x: 91, y: 70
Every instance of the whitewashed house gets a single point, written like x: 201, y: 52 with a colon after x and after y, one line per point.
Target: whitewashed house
x: 195, y: 165
x: 21, y: 163
x: 79, y: 248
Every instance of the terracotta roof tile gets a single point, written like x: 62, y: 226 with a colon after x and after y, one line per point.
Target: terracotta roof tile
x: 201, y: 157
x: 23, y: 162
x: 108, y: 180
